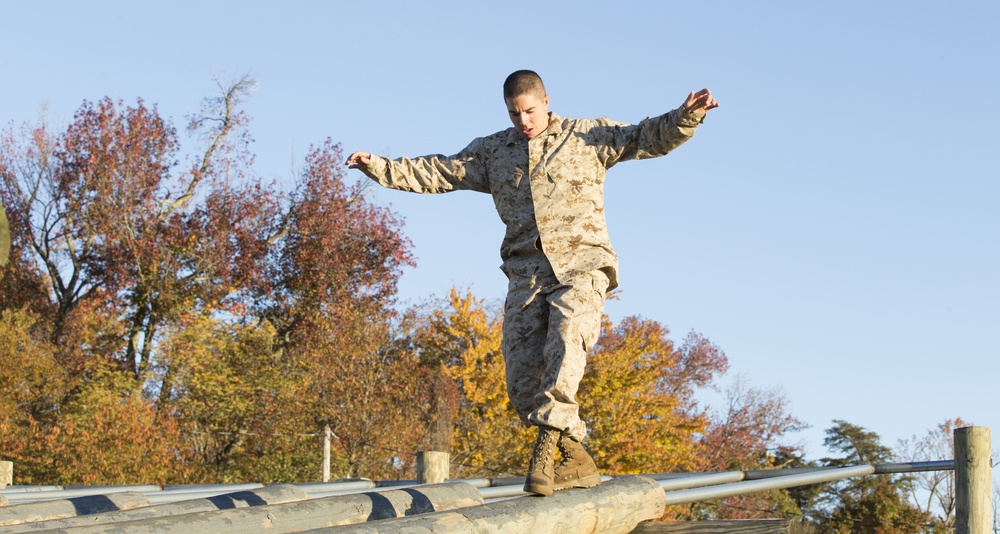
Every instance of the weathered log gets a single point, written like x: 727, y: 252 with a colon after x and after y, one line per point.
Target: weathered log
x: 276, y: 494
x: 16, y: 514
x: 303, y: 515
x: 744, y: 526
x: 614, y: 507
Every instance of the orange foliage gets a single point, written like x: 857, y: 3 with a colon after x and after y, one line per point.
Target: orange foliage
x: 637, y: 397
x: 60, y: 429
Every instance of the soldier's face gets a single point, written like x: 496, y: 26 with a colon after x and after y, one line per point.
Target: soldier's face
x: 529, y: 113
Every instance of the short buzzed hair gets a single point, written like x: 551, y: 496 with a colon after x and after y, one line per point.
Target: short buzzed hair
x: 523, y: 82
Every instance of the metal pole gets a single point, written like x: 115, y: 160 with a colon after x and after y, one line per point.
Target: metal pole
x: 739, y: 488
x: 326, y: 453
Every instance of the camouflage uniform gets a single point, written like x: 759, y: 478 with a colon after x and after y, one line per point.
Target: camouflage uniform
x: 549, y: 192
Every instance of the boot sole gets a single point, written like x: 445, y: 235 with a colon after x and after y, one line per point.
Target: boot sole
x: 544, y: 491
x: 588, y: 481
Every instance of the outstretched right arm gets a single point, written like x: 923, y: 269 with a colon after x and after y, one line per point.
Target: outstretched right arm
x: 426, y: 174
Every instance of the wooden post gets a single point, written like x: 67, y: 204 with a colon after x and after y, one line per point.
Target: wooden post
x: 326, y: 453
x: 973, y: 481
x: 4, y: 241
x: 6, y: 474
x: 433, y: 467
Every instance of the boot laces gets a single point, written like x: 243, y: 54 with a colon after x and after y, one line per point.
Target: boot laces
x: 543, y: 447
x: 563, y: 447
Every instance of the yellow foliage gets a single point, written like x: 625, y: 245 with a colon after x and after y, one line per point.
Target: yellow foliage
x: 61, y: 429
x: 464, y: 339
x: 635, y: 396
x: 638, y: 423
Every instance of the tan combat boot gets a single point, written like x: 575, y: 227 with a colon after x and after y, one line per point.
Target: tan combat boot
x: 541, y: 469
x: 577, y: 468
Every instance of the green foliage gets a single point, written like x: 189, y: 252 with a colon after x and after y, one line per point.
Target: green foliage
x: 875, y: 503
x: 233, y: 395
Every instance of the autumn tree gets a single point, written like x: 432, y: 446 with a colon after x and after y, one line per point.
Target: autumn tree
x: 334, y: 273
x: 63, y: 429
x: 637, y: 397
x: 748, y: 433
x: 239, y: 402
x: 458, y: 342
x: 117, y: 249
x: 637, y: 394
x: 933, y: 492
x: 32, y: 386
x: 107, y: 221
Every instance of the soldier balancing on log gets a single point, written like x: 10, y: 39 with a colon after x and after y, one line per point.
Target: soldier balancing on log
x: 546, y: 175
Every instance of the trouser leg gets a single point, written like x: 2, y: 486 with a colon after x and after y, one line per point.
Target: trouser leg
x: 525, y: 324
x: 548, y: 329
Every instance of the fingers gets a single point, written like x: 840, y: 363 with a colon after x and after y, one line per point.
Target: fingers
x: 700, y: 101
x: 358, y: 160
x: 691, y: 100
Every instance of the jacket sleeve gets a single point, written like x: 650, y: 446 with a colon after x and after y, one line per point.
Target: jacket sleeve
x: 434, y: 173
x: 652, y: 137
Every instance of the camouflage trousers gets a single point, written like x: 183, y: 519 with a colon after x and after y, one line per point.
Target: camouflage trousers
x: 548, y: 328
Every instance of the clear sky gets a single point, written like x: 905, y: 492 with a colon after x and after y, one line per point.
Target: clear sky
x: 833, y: 226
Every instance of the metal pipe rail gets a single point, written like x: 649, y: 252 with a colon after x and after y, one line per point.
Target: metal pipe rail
x: 727, y: 481
x: 502, y: 488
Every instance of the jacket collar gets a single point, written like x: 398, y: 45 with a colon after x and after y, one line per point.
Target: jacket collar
x: 555, y: 127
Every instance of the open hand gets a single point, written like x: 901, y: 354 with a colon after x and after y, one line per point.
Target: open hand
x: 358, y: 160
x: 700, y: 102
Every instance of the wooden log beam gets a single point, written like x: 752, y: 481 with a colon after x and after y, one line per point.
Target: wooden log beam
x: 614, y: 507
x: 16, y: 514
x: 304, y: 515
x: 276, y: 494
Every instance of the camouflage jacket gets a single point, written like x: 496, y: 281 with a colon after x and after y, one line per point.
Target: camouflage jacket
x: 548, y: 191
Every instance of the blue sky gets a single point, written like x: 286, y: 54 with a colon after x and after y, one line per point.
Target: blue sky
x: 833, y: 226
